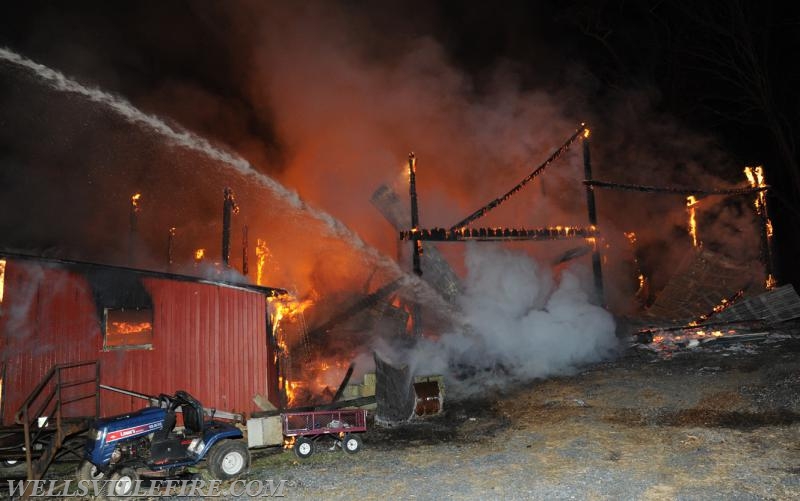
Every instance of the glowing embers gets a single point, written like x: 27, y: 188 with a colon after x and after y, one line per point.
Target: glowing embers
x: 691, y: 203
x: 135, y: 198
x: 2, y: 279
x: 128, y: 329
x: 460, y: 234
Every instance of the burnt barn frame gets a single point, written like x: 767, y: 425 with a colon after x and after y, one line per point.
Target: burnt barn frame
x: 208, y: 337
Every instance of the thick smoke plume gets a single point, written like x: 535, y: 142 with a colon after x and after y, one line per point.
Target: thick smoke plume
x: 522, y: 323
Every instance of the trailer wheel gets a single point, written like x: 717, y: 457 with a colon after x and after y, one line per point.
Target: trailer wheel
x: 351, y: 443
x: 303, y: 447
x: 88, y: 471
x: 228, y: 459
x: 123, y: 483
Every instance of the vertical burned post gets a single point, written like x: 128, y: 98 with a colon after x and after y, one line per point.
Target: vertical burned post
x: 415, y: 241
x: 229, y: 208
x: 171, y: 247
x: 133, y: 227
x: 755, y: 176
x: 691, y: 208
x: 597, y: 268
x: 412, y: 188
x: 245, y: 266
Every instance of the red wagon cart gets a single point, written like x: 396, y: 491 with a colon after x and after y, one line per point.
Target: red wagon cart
x: 307, y: 427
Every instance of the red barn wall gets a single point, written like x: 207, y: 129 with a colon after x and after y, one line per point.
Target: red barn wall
x: 209, y: 340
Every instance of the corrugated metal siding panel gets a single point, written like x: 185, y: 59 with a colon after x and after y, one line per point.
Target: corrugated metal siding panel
x: 209, y: 340
x: 48, y: 318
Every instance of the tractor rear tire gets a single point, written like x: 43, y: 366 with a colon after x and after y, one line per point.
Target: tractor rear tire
x: 228, y: 459
x: 123, y: 483
x: 88, y: 471
x: 303, y: 447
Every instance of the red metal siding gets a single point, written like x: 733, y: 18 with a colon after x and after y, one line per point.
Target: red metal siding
x: 207, y: 339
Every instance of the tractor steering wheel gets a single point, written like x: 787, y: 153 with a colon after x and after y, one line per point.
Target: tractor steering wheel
x: 165, y: 401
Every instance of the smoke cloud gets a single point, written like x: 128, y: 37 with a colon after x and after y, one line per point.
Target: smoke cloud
x: 523, y: 323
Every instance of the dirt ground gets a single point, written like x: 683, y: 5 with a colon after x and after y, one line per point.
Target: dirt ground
x: 705, y: 424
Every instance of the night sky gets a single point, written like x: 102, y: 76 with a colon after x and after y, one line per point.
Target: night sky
x: 723, y: 70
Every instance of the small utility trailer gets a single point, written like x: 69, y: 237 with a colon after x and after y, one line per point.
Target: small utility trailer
x: 303, y: 429
x: 341, y: 425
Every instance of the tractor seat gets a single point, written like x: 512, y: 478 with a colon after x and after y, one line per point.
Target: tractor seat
x: 169, y: 425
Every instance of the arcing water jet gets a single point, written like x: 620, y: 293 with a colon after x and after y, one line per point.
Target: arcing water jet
x: 193, y: 142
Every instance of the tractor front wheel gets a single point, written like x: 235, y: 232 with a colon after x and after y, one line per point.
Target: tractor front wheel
x: 123, y: 483
x: 228, y: 459
x: 88, y: 471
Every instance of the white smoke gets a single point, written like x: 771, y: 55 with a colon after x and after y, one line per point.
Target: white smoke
x: 524, y: 323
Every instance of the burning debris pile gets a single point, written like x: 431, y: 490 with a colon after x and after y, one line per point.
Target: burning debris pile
x: 774, y: 314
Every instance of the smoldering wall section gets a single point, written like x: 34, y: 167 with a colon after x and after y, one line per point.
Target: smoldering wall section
x: 345, y: 113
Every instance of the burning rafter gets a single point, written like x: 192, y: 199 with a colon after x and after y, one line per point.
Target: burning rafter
x: 497, y: 201
x: 482, y: 234
x: 674, y: 189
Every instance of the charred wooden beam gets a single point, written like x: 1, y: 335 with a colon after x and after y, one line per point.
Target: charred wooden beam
x: 229, y: 208
x: 354, y: 309
x: 483, y: 234
x: 412, y: 188
x: 245, y: 264
x: 133, y: 228
x: 597, y: 267
x: 436, y: 270
x: 171, y: 247
x: 343, y: 384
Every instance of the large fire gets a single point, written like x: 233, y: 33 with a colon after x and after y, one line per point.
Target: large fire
x: 284, y: 311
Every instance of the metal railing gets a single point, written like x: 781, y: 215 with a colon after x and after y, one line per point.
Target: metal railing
x: 41, y: 408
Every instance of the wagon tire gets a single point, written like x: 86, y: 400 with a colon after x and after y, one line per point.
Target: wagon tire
x: 228, y: 459
x: 88, y: 471
x: 123, y: 483
x: 303, y: 447
x: 351, y: 443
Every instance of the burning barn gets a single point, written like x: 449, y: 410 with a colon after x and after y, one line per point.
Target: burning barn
x: 151, y: 333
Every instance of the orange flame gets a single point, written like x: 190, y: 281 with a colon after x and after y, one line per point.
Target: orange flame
x: 131, y: 327
x: 691, y: 202
x: 586, y: 133
x: 2, y: 278
x: 263, y: 256
x: 199, y: 254
x: 135, y: 201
